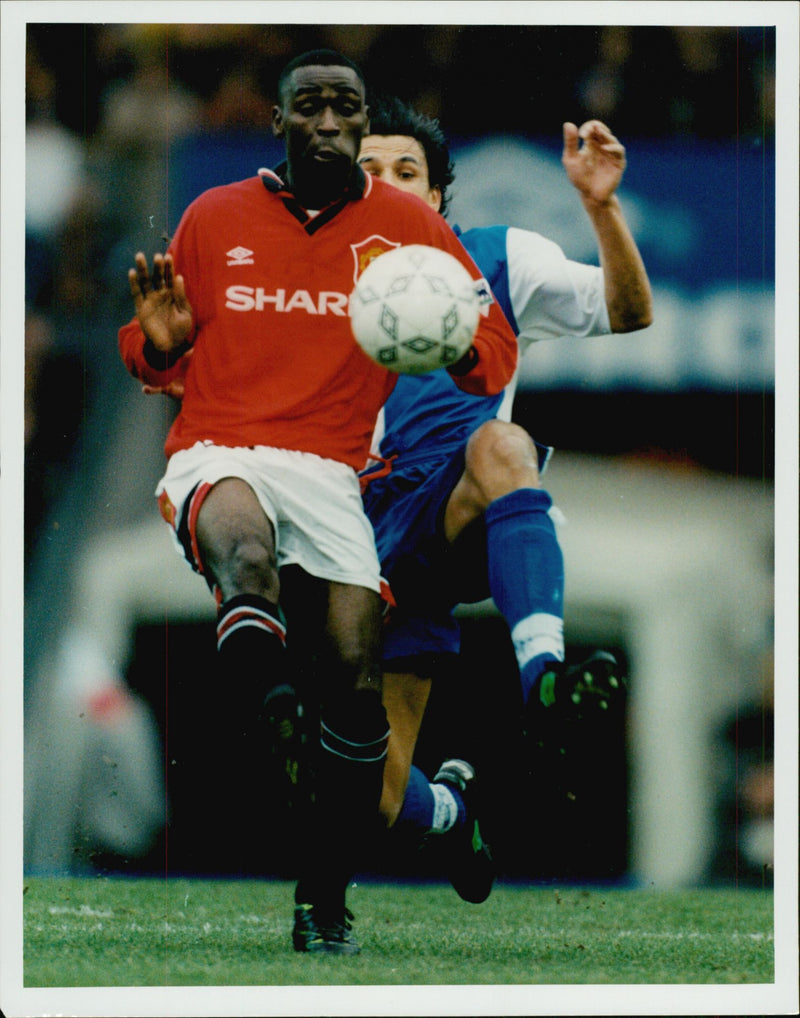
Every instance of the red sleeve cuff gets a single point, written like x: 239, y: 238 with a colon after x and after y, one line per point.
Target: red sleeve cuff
x: 159, y: 360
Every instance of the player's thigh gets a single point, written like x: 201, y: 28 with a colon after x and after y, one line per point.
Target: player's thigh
x: 236, y: 541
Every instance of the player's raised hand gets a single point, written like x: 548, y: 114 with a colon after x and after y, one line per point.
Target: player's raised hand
x: 162, y: 308
x: 594, y: 159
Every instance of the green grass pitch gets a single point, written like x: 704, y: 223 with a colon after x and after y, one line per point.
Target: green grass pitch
x: 113, y: 931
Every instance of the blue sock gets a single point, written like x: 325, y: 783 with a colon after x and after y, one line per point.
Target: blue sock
x: 428, y: 807
x: 526, y: 579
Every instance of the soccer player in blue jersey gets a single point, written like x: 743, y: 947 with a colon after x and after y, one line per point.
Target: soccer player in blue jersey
x: 455, y: 494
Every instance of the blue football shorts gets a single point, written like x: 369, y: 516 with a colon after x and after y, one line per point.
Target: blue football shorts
x: 428, y: 576
x: 406, y: 508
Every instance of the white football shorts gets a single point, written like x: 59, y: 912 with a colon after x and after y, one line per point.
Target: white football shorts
x: 313, y: 503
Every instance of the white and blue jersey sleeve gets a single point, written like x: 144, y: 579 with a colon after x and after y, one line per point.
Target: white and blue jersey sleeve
x: 542, y: 294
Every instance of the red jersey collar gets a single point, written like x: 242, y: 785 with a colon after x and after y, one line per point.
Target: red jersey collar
x: 359, y: 185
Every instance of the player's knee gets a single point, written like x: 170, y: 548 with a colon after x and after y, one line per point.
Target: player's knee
x: 249, y: 565
x: 501, y: 456
x: 357, y: 666
x: 354, y: 639
x: 349, y: 661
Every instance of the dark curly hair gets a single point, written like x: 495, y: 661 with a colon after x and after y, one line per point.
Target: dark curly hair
x: 390, y: 115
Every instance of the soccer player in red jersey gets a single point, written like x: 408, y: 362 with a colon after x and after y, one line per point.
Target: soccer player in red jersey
x: 278, y: 410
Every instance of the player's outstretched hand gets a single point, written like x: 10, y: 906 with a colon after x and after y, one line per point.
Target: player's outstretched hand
x: 594, y: 159
x: 162, y: 308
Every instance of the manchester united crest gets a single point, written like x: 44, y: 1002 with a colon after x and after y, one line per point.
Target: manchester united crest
x: 367, y: 250
x: 166, y: 508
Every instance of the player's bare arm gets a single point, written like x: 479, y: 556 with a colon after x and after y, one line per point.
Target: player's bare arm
x: 595, y: 162
x: 162, y: 307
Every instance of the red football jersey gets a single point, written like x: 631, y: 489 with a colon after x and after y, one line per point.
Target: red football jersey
x: 274, y: 360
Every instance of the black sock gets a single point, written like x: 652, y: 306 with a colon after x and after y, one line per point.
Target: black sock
x: 251, y: 642
x: 250, y: 663
x: 354, y: 735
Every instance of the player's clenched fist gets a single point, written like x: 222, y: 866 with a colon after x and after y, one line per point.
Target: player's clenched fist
x: 594, y: 159
x: 162, y: 308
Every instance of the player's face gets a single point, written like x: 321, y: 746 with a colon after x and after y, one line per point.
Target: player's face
x: 322, y: 116
x: 399, y: 161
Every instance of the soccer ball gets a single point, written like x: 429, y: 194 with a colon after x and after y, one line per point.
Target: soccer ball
x: 415, y: 308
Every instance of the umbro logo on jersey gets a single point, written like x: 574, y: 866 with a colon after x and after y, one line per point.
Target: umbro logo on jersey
x: 239, y: 256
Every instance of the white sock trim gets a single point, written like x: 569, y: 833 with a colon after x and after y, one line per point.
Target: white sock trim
x: 536, y: 634
x: 445, y: 809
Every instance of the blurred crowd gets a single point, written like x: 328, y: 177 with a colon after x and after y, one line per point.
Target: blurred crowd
x: 105, y: 102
